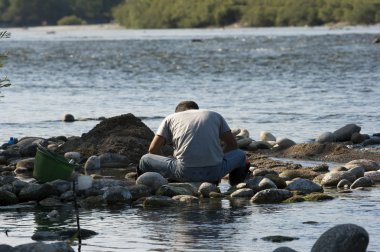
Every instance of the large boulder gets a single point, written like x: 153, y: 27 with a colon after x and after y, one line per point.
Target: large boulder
x: 345, y: 133
x: 342, y: 238
x: 125, y: 135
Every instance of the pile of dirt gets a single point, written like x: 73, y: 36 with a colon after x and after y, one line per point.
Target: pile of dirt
x: 125, y: 135
x: 328, y: 152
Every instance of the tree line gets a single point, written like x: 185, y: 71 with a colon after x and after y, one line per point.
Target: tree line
x: 189, y: 13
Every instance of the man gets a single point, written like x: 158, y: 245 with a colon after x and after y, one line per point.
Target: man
x: 196, y: 136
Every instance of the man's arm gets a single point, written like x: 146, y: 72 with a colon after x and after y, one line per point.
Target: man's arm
x: 229, y: 141
x: 157, y: 143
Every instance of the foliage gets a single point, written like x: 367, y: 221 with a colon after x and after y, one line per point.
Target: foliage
x: 205, y: 13
x: 71, y: 20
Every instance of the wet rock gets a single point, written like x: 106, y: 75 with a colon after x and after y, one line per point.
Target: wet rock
x: 36, y: 192
x: 373, y: 175
x: 102, y: 183
x: 357, y: 171
x: 253, y: 183
x: 50, y: 202
x: 191, y: 187
x: 332, y: 178
x: 284, y: 249
x: 362, y: 182
x: 39, y: 246
x: 260, y: 145
x: 357, y: 138
x: 294, y: 199
x: 125, y: 135
x: 18, y: 185
x: 117, y: 195
x: 326, y: 137
x: 159, y: 201
x: 240, y: 133
x: 266, y: 136
x: 7, y: 180
x: 172, y: 190
x: 342, y: 238
x: 266, y: 183
x: 61, y: 186
x: 188, y: 199
x: 320, y: 168
x: 28, y: 146
x: 279, y: 182
x: 318, y: 197
x: 206, y: 188
x: 243, y: 193
x: 368, y: 165
x: 92, y: 163
x: 153, y: 180
x: 271, y: 196
x: 279, y: 238
x: 67, y: 196
x: 344, y: 183
x: 344, y: 134
x: 7, y: 197
x: 93, y: 202
x: 5, y: 248
x: 263, y: 172
x: 68, y: 118
x: 113, y: 160
x: 73, y: 155
x: 139, y: 191
x: 304, y: 185
x: 298, y: 173
x: 61, y: 234
x: 371, y: 141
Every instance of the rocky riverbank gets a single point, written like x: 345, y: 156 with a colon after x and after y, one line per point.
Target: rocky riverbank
x: 117, y: 143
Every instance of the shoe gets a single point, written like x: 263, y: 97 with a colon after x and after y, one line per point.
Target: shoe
x: 239, y: 175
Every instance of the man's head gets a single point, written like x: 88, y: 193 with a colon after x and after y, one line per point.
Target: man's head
x: 186, y: 105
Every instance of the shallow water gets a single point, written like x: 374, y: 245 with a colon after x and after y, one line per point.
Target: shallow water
x: 293, y: 82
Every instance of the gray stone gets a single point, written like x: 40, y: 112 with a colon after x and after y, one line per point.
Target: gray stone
x: 117, y: 195
x: 260, y: 145
x: 243, y: 193
x: 92, y: 163
x: 358, y: 171
x: 36, y: 192
x: 159, y: 201
x: 344, y: 134
x: 362, y: 182
x: 153, y: 180
x: 50, y: 202
x: 68, y: 118
x: 284, y: 249
x: 113, y: 160
x: 304, y: 185
x: 139, y: 191
x: 367, y: 164
x: 7, y: 197
x: 61, y: 186
x: 372, y: 141
x: 271, y: 196
x: 27, y: 163
x: 171, y: 190
x: 28, y: 146
x: 344, y: 183
x: 357, y: 138
x: 18, y: 185
x: 188, y: 199
x: 342, y: 238
x: 266, y: 183
x: 244, y: 142
x: 253, y: 183
x: 39, y: 246
x: 266, y: 136
x: 102, y: 183
x: 284, y: 143
x: 280, y: 182
x: 332, y: 178
x: 263, y: 172
x: 76, y: 156
x: 206, y: 188
x: 326, y: 137
x: 373, y: 175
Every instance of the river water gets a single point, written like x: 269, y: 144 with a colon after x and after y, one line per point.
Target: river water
x: 293, y: 82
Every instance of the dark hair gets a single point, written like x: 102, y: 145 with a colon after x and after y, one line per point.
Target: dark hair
x: 186, y: 105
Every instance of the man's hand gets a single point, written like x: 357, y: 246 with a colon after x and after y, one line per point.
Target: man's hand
x: 157, y: 143
x: 229, y: 141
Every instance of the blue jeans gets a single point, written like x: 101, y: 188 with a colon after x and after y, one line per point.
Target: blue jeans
x: 170, y: 168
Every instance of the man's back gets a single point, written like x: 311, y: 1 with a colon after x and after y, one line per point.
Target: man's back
x: 195, y: 135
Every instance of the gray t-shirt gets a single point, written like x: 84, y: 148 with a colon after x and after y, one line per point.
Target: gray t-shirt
x: 195, y: 135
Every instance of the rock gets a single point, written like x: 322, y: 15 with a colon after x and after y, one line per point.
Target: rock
x: 113, y: 160
x: 253, y: 183
x: 298, y: 173
x: 260, y: 145
x: 357, y: 138
x: 362, y: 182
x: 27, y: 163
x: 7, y: 197
x: 188, y: 199
x: 266, y: 136
x: 368, y: 165
x: 117, y: 195
x: 284, y: 249
x: 263, y: 172
x: 159, y: 201
x: 279, y: 238
x: 68, y: 118
x: 344, y: 134
x: 240, y: 133
x: 376, y: 40
x: 317, y: 197
x: 373, y: 175
x: 98, y: 184
x: 92, y: 163
x: 266, y: 183
x: 73, y: 155
x: 18, y: 185
x: 358, y: 171
x: 372, y: 141
x: 61, y: 186
x: 206, y: 188
x: 326, y: 137
x: 271, y: 196
x: 93, y: 202
x: 125, y: 135
x: 320, y: 168
x: 304, y: 185
x: 139, y: 191
x: 344, y: 183
x: 342, y: 238
x: 172, y: 190
x: 244, y: 142
x: 50, y: 202
x: 36, y: 192
x: 284, y: 143
x: 332, y: 178
x: 243, y: 193
x: 280, y: 182
x: 153, y: 180
x: 39, y: 246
